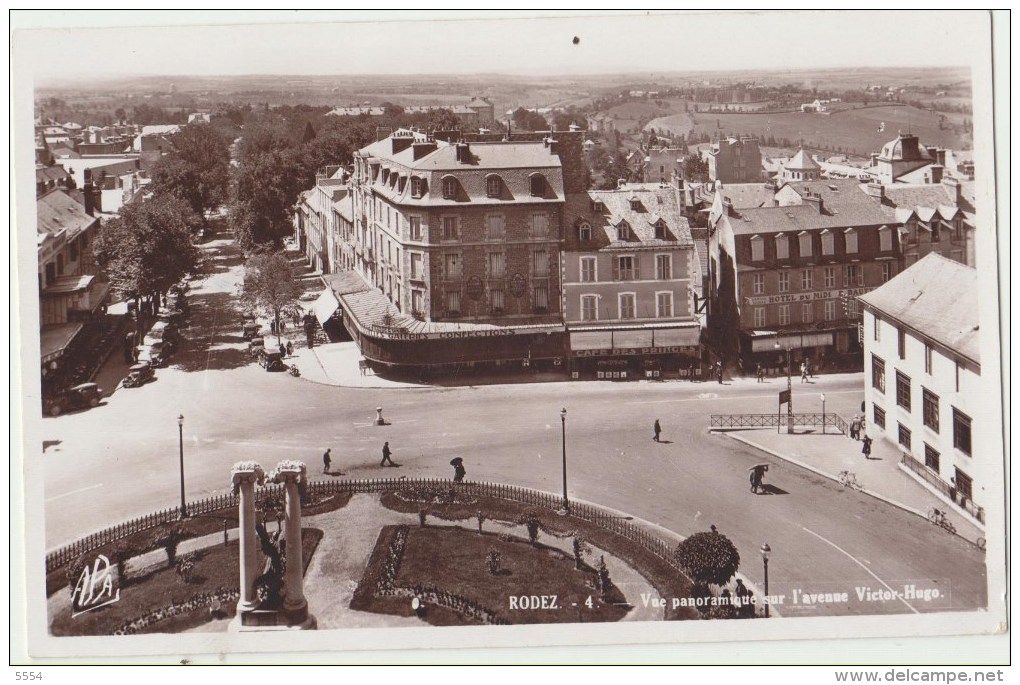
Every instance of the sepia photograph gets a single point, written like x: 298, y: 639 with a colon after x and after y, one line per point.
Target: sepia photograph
x: 507, y: 331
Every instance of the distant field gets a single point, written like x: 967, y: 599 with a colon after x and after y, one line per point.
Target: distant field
x: 856, y: 131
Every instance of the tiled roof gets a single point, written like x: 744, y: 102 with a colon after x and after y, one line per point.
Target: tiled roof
x: 936, y: 297
x: 700, y: 238
x: 651, y: 203
x: 802, y: 161
x: 57, y: 212
x: 50, y: 173
x: 844, y: 204
x: 747, y: 195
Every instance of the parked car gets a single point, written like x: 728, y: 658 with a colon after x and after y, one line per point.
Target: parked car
x: 249, y: 330
x: 156, y: 354
x: 256, y: 345
x: 139, y: 374
x: 271, y: 360
x: 84, y: 395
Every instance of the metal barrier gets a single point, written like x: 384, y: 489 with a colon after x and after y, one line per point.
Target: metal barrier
x: 947, y: 489
x: 773, y: 420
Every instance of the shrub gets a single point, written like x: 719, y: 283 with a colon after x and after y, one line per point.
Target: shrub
x: 186, y: 567
x: 421, y: 517
x: 580, y: 549
x: 481, y: 519
x: 492, y: 561
x: 530, y: 521
x: 169, y: 538
x: 708, y: 558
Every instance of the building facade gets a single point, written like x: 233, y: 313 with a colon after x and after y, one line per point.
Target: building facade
x: 735, y: 160
x: 923, y: 389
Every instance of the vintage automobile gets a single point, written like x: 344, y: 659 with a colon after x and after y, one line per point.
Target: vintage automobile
x: 84, y: 395
x: 271, y: 360
x: 139, y: 374
x: 249, y: 330
x: 156, y: 354
x: 256, y: 345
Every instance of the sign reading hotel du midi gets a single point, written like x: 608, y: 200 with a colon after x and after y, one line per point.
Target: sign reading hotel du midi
x: 788, y: 298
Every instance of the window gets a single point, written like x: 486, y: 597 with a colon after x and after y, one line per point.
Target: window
x: 878, y: 329
x: 784, y: 314
x: 417, y: 262
x: 623, y: 231
x: 759, y: 317
x: 597, y: 207
x: 493, y: 185
x: 805, y: 245
x: 830, y: 310
x: 784, y: 281
x: 664, y: 305
x: 903, y: 436
x: 782, y: 247
x: 757, y: 248
x: 626, y: 269
x: 497, y: 298
x: 663, y: 267
x: 805, y: 279
x: 497, y: 265
x: 851, y: 240
x: 931, y: 458
x: 660, y: 230
x: 964, y: 484
x: 414, y: 222
x: 540, y: 295
x: 807, y: 312
x: 879, y: 417
x: 453, y: 266
x: 903, y: 390
x: 537, y: 185
x: 540, y: 263
x: 828, y: 243
x: 449, y: 188
x: 829, y: 274
x: 453, y: 302
x: 495, y: 226
x: 927, y: 358
x: 961, y: 431
x: 584, y: 231
x: 60, y: 264
x: 74, y: 251
x: 449, y: 228
x: 587, y: 269
x: 539, y: 225
x: 901, y: 343
x: 418, y: 301
x: 758, y: 284
x: 589, y: 308
x: 51, y: 273
x: 417, y: 187
x: 930, y: 409
x: 627, y: 305
x: 936, y: 233
x: 885, y: 239
x: 957, y: 374
x: 853, y: 275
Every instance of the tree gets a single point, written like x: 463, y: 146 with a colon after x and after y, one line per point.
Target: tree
x: 528, y: 120
x: 695, y: 169
x: 148, y: 247
x: 708, y: 558
x: 196, y: 169
x: 269, y: 285
x: 309, y: 133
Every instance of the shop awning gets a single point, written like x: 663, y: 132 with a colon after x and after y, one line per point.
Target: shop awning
x: 601, y: 340
x: 629, y: 340
x: 325, y: 306
x: 791, y: 340
x: 682, y: 337
x: 55, y: 339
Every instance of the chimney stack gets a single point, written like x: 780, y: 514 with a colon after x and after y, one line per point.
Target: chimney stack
x: 954, y: 190
x: 419, y: 150
x: 401, y: 143
x: 876, y: 190
x: 936, y: 173
x: 816, y: 200
x: 463, y: 152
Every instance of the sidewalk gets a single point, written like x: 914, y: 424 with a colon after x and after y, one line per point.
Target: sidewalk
x: 880, y: 476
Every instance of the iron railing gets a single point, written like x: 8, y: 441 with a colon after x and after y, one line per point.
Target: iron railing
x: 780, y: 419
x: 935, y: 481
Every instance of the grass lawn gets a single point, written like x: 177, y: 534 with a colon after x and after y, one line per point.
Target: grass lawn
x: 453, y: 559
x: 666, y: 580
x: 216, y: 569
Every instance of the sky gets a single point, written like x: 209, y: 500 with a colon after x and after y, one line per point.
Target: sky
x: 335, y: 42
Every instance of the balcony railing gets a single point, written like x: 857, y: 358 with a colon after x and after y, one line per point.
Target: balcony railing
x: 947, y: 489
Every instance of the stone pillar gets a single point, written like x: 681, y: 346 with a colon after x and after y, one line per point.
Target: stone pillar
x: 243, y: 477
x: 293, y: 476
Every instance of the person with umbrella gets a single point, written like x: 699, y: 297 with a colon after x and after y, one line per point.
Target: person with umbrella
x: 458, y: 469
x: 756, y: 477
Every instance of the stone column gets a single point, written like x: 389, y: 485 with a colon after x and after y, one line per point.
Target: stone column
x: 243, y: 477
x: 292, y: 474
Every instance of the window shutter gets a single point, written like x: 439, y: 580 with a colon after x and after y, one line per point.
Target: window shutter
x: 637, y: 269
x: 616, y: 269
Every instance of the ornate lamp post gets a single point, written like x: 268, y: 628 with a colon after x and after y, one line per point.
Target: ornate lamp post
x: 765, y: 551
x: 563, y: 424
x: 180, y: 433
x: 789, y: 388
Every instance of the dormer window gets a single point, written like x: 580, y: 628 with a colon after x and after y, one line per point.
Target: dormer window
x: 537, y: 185
x: 851, y: 240
x: 449, y: 188
x: 635, y: 204
x: 623, y: 231
x: 828, y: 243
x: 597, y: 207
x: 660, y: 230
x: 584, y: 231
x: 417, y: 187
x: 805, y: 244
x: 757, y: 248
x: 493, y: 185
x: 782, y: 247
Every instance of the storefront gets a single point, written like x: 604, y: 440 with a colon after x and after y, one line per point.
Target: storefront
x: 635, y: 352
x: 829, y: 349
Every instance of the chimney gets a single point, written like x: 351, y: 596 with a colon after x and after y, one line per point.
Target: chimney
x: 88, y: 197
x: 401, y: 143
x: 816, y: 200
x: 954, y: 190
x: 553, y: 145
x: 419, y: 150
x: 874, y: 159
x: 940, y: 155
x: 876, y: 190
x: 936, y: 173
x: 463, y: 151
x: 382, y: 132
x: 932, y: 151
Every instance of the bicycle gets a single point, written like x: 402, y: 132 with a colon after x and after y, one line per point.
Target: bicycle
x: 848, y: 479
x: 940, y: 519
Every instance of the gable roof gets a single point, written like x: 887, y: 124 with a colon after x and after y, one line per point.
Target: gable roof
x: 639, y: 207
x: 57, y: 213
x: 936, y: 297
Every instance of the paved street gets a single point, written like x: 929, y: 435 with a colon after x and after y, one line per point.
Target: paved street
x: 120, y: 460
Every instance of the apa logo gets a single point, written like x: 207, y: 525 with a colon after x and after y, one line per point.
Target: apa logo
x: 97, y: 586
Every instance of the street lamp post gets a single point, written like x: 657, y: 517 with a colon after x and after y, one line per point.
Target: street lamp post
x: 789, y: 388
x: 765, y: 551
x: 823, y: 412
x: 563, y: 424
x: 180, y: 432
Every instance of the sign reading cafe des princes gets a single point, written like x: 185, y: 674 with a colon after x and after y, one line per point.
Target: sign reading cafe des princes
x: 807, y: 297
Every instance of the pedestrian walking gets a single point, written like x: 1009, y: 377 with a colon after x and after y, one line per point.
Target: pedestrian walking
x: 657, y: 429
x: 761, y: 374
x: 866, y: 448
x: 718, y: 372
x: 458, y: 469
x: 855, y: 427
x: 290, y: 349
x: 745, y: 607
x: 283, y: 349
x: 386, y: 455
x: 803, y: 372
x: 326, y: 461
